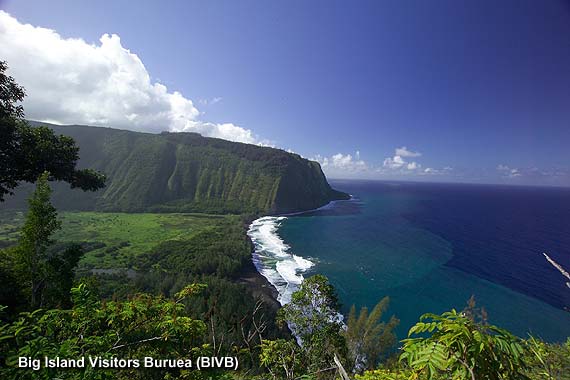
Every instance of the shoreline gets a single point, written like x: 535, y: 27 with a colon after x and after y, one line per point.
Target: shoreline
x: 258, y: 285
x: 323, y: 207
x: 253, y: 280
x: 257, y: 282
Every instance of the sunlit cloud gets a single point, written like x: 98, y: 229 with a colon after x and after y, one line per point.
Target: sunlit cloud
x: 70, y: 81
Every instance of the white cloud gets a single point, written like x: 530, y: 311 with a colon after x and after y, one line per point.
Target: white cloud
x: 433, y: 171
x: 532, y: 175
x: 399, y: 163
x: 508, y: 171
x: 502, y: 167
x: 346, y: 162
x: 342, y: 164
x: 395, y: 162
x: 352, y: 166
x: 69, y: 81
x: 413, y: 166
x: 210, y: 102
x: 404, y: 152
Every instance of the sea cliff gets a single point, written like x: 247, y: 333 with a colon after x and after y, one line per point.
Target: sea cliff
x: 185, y: 172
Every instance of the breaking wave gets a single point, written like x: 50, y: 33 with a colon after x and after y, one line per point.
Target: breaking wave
x: 273, y: 259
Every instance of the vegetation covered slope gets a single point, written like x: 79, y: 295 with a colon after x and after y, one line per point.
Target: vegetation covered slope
x: 185, y: 172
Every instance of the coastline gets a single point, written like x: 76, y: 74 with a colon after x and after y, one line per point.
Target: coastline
x: 258, y: 285
x: 323, y: 207
x: 274, y: 272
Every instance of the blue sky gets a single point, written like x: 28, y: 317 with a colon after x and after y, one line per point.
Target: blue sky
x: 475, y: 91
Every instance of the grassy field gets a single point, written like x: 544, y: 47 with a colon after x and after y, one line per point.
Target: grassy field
x: 10, y: 223
x: 117, y: 237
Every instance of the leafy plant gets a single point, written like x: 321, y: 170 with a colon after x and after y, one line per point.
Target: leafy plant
x: 547, y: 361
x: 461, y: 348
x: 143, y: 326
x: 282, y: 358
x: 367, y: 337
x: 313, y: 317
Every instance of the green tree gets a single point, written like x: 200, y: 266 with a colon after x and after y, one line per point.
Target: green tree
x: 12, y: 294
x: 62, y: 259
x: 10, y: 94
x: 461, y: 348
x: 313, y: 317
x: 367, y: 337
x: 282, y: 358
x: 27, y: 152
x: 32, y: 262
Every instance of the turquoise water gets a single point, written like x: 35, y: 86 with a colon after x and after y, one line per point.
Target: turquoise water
x: 377, y: 245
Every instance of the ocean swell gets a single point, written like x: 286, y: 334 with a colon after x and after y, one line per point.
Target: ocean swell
x: 273, y: 259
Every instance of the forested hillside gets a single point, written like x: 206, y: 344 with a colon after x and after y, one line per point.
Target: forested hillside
x: 185, y: 172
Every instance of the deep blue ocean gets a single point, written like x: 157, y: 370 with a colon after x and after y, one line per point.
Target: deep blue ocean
x: 430, y: 247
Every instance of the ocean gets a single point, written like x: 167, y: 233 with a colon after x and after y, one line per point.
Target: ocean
x: 430, y: 247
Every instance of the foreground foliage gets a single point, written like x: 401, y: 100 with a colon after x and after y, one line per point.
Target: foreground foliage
x: 547, y: 361
x: 387, y: 374
x: 368, y: 337
x: 145, y: 325
x: 325, y: 348
x: 463, y: 348
x: 314, y: 318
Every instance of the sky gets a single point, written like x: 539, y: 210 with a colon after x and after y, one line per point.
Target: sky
x: 453, y: 91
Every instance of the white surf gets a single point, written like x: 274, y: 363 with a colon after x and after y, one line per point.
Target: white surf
x: 274, y: 260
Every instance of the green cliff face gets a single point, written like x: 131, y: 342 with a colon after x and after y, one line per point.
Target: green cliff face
x: 185, y: 172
